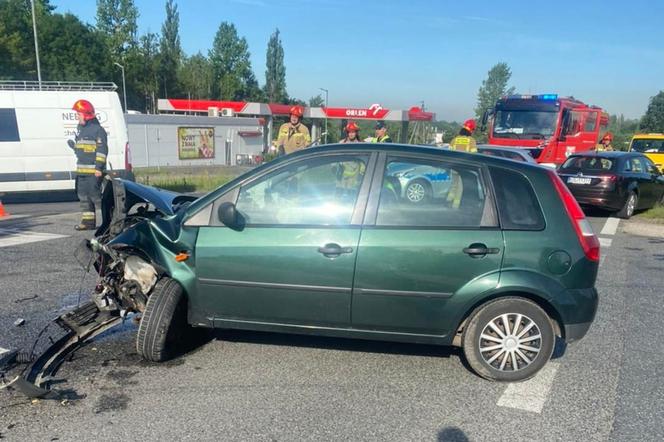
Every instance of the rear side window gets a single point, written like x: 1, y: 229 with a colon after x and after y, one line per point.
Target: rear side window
x: 517, y: 204
x: 8, y: 126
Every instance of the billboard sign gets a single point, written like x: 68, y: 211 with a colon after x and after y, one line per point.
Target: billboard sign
x: 195, y: 143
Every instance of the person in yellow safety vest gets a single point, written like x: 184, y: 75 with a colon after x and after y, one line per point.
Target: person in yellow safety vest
x: 91, y: 148
x: 605, y: 144
x: 293, y: 135
x: 352, y: 133
x: 381, y: 134
x: 465, y: 142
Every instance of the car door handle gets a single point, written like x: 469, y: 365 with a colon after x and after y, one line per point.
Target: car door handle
x: 332, y: 250
x: 480, y: 249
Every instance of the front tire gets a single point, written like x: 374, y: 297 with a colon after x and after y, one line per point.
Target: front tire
x: 630, y: 206
x: 508, y: 340
x: 418, y: 192
x: 164, y: 323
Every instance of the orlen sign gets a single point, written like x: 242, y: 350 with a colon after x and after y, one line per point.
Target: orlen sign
x: 373, y: 112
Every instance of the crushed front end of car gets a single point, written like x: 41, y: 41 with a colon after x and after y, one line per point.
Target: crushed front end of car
x: 134, y: 247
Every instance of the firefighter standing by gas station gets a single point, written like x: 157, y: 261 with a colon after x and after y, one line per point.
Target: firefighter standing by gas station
x: 293, y: 135
x: 91, y: 148
x: 352, y: 133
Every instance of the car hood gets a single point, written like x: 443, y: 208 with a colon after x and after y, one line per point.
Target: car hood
x: 164, y: 201
x: 119, y: 196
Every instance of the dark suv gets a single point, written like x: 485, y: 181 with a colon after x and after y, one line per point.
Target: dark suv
x: 499, y: 260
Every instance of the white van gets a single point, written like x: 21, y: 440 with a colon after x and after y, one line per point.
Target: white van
x: 36, y: 124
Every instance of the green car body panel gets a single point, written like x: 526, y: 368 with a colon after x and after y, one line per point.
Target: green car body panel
x: 402, y: 284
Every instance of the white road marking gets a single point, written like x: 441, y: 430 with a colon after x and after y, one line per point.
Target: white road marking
x: 532, y: 394
x: 3, y: 351
x: 605, y: 242
x: 610, y: 226
x: 14, y: 237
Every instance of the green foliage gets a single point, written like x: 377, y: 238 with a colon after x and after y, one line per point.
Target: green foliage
x: 196, y: 76
x: 653, y: 120
x: 116, y: 19
x: 69, y: 49
x: 170, y: 51
x: 317, y: 101
x: 142, y: 64
x: 622, y: 129
x: 493, y: 87
x: 234, y: 79
x: 275, y: 71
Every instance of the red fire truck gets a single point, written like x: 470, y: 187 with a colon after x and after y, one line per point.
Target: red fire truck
x: 550, y: 127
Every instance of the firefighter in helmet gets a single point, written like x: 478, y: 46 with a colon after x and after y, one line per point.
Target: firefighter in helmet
x: 293, y: 135
x: 91, y: 148
x: 605, y: 143
x: 465, y: 142
x: 381, y: 134
x: 352, y: 133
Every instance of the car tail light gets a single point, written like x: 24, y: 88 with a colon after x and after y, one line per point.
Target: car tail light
x: 584, y: 231
x: 610, y: 178
x: 128, y: 166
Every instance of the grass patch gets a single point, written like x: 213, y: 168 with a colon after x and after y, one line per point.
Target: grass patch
x: 187, y: 179
x: 656, y: 214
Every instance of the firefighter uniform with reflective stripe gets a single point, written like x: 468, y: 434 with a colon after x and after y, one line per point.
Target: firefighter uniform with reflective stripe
x: 293, y: 137
x: 463, y: 144
x: 91, y: 149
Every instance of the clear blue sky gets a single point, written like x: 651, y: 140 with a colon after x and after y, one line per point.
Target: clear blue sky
x: 398, y: 53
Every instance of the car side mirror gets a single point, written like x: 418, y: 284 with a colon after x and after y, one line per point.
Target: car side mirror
x: 230, y: 217
x: 485, y: 119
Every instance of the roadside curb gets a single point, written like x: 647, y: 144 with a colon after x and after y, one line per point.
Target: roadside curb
x: 641, y: 228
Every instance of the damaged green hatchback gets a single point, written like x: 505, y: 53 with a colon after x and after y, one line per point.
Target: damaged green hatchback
x: 388, y: 242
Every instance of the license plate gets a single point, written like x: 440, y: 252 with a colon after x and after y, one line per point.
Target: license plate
x: 578, y: 180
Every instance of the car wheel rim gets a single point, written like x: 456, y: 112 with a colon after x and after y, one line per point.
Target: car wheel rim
x: 510, y: 342
x: 415, y: 192
x: 631, y: 203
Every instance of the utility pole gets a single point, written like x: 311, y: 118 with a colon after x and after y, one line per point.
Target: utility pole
x: 34, y: 31
x: 124, y: 85
x: 326, y: 94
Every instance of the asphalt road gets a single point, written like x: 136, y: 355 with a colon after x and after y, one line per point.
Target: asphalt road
x: 259, y: 386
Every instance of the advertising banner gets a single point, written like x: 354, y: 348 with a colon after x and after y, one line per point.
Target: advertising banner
x: 195, y: 143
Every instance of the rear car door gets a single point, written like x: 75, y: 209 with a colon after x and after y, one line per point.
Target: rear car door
x: 293, y: 261
x: 430, y: 229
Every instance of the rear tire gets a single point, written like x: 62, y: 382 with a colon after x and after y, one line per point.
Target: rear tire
x: 630, y: 206
x: 163, y: 326
x: 526, y: 343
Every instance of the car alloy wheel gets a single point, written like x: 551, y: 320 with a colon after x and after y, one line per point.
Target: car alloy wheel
x: 510, y: 342
x: 631, y: 204
x: 416, y: 192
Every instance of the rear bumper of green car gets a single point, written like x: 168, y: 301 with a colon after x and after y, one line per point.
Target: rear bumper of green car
x: 589, y: 300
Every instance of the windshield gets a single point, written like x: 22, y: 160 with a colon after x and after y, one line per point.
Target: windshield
x: 524, y: 124
x: 587, y: 164
x: 648, y: 146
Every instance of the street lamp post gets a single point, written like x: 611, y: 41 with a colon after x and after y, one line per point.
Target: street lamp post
x: 124, y: 86
x: 326, y: 95
x: 34, y: 31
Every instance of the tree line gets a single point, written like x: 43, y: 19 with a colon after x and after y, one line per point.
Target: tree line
x: 156, y: 65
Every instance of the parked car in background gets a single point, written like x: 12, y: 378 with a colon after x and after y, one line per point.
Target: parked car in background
x: 617, y: 181
x: 511, y: 153
x: 296, y: 246
x: 651, y: 145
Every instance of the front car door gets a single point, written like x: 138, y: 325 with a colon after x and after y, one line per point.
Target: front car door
x: 430, y: 239
x: 293, y: 261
